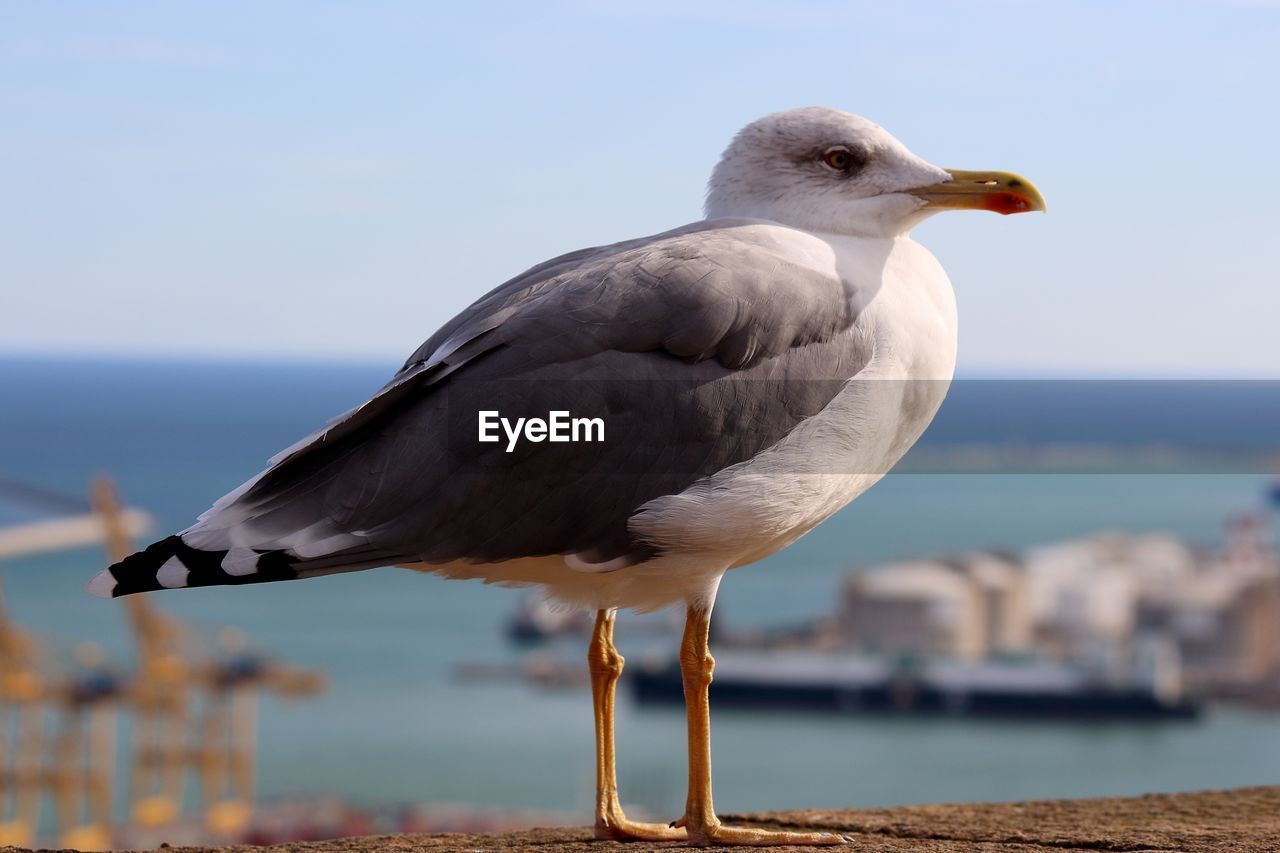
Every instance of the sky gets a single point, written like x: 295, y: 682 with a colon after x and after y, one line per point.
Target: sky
x: 321, y: 180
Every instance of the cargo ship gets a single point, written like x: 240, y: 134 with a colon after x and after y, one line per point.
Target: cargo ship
x: 857, y: 684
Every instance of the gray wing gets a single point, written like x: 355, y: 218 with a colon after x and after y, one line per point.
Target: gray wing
x: 698, y: 349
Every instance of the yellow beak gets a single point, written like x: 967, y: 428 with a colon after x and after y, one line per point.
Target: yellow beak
x: 1001, y: 192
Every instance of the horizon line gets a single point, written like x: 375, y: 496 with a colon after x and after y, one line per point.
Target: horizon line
x: 303, y: 359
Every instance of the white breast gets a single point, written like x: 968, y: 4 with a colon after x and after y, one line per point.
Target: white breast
x: 907, y: 309
x: 909, y: 304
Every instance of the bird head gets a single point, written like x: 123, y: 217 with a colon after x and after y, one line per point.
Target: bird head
x: 825, y: 170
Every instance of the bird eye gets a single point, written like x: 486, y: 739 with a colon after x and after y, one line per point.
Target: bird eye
x: 839, y: 158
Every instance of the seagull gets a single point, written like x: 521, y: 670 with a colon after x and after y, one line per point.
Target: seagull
x: 737, y: 380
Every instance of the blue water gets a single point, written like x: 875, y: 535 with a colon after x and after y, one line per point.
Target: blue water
x: 395, y: 726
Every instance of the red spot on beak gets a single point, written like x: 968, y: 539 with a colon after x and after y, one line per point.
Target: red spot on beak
x: 1005, y: 203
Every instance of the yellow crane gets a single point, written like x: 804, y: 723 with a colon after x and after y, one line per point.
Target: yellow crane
x: 230, y: 728
x: 191, y: 712
x: 223, y: 741
x: 77, y: 764
x: 22, y: 693
x: 73, y: 758
x: 84, y: 755
x: 161, y: 688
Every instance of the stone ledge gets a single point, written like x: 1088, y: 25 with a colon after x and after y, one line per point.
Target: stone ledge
x: 1243, y: 820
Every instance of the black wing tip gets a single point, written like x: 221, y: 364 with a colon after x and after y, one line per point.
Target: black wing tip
x: 136, y: 573
x: 173, y: 564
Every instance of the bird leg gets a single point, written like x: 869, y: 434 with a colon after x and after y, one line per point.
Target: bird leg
x: 700, y: 821
x: 606, y: 666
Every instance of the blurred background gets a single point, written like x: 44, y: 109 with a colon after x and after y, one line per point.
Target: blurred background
x: 223, y: 225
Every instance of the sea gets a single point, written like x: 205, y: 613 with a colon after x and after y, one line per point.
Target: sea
x: 1008, y: 465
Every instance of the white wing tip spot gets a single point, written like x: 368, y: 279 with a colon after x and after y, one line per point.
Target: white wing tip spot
x: 240, y: 562
x: 102, y: 585
x: 173, y: 574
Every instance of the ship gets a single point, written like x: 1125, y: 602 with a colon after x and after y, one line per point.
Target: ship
x: 862, y: 684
